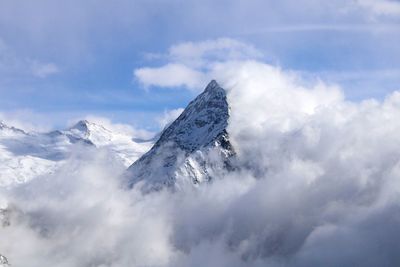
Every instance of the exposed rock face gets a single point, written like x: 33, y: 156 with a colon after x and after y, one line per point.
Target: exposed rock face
x: 3, y: 261
x: 184, y: 150
x: 4, y: 217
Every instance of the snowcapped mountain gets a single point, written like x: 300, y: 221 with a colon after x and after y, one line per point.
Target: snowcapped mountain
x: 119, y: 143
x: 192, y: 149
x: 24, y: 156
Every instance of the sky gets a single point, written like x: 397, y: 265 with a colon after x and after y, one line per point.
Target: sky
x: 139, y: 61
x: 313, y: 88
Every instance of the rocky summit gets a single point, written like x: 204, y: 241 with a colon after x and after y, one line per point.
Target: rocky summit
x: 184, y: 150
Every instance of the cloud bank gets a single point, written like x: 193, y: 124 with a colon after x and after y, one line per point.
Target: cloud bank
x: 318, y: 186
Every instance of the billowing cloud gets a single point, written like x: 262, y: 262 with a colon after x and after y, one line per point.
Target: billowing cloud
x: 318, y: 185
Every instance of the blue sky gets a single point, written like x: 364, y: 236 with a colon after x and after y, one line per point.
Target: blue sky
x: 64, y: 60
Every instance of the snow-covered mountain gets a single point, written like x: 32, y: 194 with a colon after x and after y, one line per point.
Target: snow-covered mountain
x: 192, y: 149
x: 24, y: 156
x: 119, y: 143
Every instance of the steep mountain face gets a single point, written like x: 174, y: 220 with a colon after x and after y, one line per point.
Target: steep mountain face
x: 192, y: 149
x: 24, y: 156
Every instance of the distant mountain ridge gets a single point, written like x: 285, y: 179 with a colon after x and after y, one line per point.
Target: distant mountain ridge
x: 26, y: 155
x: 191, y: 150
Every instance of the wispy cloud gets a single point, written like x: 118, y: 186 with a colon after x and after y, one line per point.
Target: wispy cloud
x: 14, y: 65
x: 168, y: 117
x: 381, y: 7
x: 325, y: 27
x: 42, y: 70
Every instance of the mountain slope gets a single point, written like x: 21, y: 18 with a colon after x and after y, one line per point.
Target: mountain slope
x: 182, y: 153
x: 24, y: 156
x: 119, y: 143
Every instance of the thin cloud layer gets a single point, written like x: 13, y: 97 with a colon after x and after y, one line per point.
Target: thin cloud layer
x: 43, y: 70
x: 168, y: 117
x: 13, y: 65
x: 381, y: 7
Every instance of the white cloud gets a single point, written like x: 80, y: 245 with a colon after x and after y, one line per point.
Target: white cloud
x: 26, y: 120
x: 321, y: 178
x: 189, y: 63
x: 192, y: 65
x: 42, y: 70
x: 118, y: 127
x: 168, y: 117
x: 271, y: 96
x: 200, y: 54
x: 12, y: 64
x: 381, y: 7
x: 337, y: 27
x: 170, y: 75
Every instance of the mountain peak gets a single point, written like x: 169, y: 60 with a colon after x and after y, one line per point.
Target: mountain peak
x: 212, y: 85
x: 201, y: 122
x: 4, y: 126
x: 181, y: 150
x: 82, y: 125
x: 85, y: 128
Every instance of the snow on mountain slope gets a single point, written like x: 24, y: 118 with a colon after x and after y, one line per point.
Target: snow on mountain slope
x: 194, y: 146
x: 122, y: 144
x: 24, y: 156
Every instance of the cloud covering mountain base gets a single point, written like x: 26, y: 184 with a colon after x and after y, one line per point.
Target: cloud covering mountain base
x: 318, y: 186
